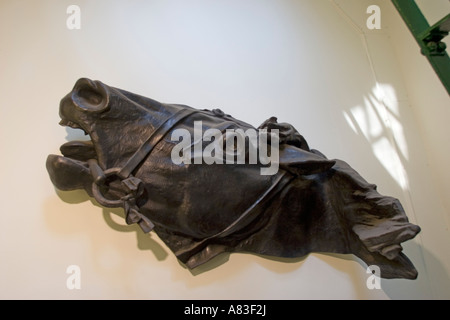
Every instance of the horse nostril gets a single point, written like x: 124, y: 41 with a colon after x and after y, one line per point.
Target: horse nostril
x: 90, y: 96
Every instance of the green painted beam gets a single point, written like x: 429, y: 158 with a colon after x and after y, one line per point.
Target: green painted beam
x: 428, y: 37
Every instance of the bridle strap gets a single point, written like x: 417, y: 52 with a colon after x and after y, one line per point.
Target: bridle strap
x: 131, y: 185
x: 147, y: 147
x: 244, y: 220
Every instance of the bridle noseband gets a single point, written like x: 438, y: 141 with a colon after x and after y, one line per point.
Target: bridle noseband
x: 132, y: 186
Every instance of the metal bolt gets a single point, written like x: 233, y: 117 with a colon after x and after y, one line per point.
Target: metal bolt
x: 432, y: 46
x: 441, y: 46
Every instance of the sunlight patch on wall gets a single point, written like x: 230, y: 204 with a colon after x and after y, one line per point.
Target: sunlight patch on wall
x: 377, y: 119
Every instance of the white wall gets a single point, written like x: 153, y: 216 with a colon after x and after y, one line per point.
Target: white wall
x: 364, y: 96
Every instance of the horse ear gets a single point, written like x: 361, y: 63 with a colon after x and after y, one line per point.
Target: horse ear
x: 89, y: 95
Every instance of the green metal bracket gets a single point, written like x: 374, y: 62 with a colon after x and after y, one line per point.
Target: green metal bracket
x: 428, y: 37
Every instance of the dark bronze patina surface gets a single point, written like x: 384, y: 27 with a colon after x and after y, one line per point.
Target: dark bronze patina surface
x: 311, y: 204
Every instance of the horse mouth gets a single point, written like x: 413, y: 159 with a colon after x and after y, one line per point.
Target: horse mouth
x: 81, y: 150
x: 70, y: 171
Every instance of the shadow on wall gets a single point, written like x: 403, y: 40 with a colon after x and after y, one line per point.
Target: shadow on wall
x: 422, y: 287
x: 144, y: 241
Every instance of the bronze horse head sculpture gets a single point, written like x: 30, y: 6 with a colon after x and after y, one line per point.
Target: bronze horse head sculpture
x: 200, y: 210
